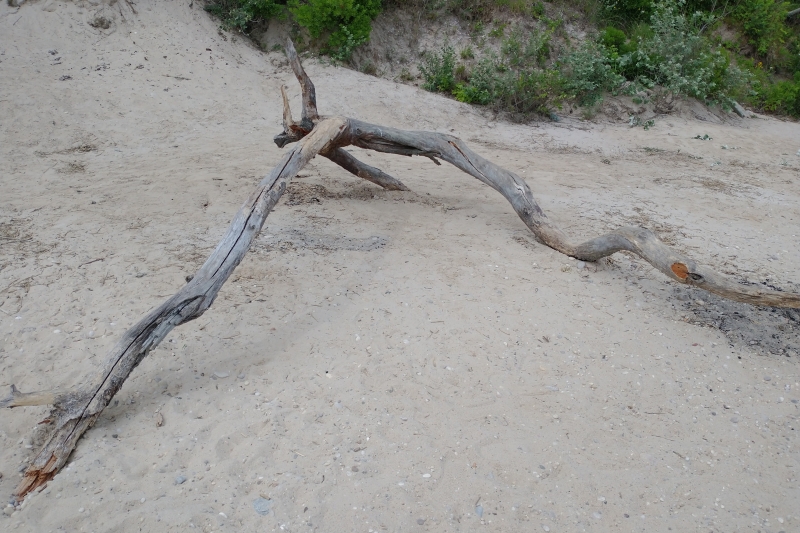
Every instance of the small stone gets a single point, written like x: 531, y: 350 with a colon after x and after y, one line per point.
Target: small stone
x: 421, y: 521
x: 545, y: 527
x: 8, y: 510
x: 143, y: 500
x: 767, y: 378
x: 180, y: 480
x: 580, y: 265
x: 241, y: 376
x: 262, y: 506
x: 80, y: 510
x: 221, y: 375
x: 735, y: 419
x: 426, y: 475
x: 479, y: 510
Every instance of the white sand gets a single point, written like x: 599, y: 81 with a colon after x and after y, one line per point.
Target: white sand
x: 408, y: 361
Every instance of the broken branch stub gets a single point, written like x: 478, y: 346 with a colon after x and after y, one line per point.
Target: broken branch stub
x: 74, y: 411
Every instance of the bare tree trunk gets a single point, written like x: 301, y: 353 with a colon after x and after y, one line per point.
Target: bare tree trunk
x: 74, y: 411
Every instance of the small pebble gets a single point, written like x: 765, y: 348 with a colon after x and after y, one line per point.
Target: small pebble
x: 80, y: 510
x: 241, y: 376
x: 180, y: 480
x: 143, y: 500
x: 426, y: 475
x: 262, y: 506
x: 479, y: 510
x: 545, y: 527
x: 8, y: 510
x: 767, y: 378
x: 221, y: 375
x: 421, y: 521
x: 735, y: 419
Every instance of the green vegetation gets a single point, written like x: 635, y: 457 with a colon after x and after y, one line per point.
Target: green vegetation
x: 345, y: 24
x: 742, y: 50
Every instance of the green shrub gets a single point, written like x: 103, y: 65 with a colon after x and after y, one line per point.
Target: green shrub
x: 349, y: 22
x: 525, y: 93
x: 589, y: 72
x: 783, y: 97
x: 764, y: 24
x: 517, y: 52
x: 612, y: 37
x: 438, y: 70
x: 481, y: 88
x: 346, y: 24
x: 680, y: 59
x: 627, y: 12
x: 241, y: 14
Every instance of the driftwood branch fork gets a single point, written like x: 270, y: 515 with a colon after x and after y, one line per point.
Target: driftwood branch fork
x: 76, y: 410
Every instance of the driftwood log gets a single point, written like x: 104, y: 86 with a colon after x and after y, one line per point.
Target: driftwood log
x: 76, y: 410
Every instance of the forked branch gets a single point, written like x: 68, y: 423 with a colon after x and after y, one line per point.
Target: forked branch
x: 76, y: 410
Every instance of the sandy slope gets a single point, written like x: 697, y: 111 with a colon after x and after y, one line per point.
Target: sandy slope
x: 381, y: 361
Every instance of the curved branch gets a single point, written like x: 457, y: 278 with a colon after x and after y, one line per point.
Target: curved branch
x: 307, y: 87
x: 375, y: 175
x: 639, y: 241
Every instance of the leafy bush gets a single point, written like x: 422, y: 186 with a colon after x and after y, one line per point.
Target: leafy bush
x: 527, y: 92
x: 349, y: 22
x: 784, y: 97
x: 516, y: 82
x: 346, y: 23
x: 438, y: 70
x: 625, y: 12
x: 589, y: 72
x: 764, y: 23
x: 241, y: 14
x: 679, y: 58
x: 516, y: 52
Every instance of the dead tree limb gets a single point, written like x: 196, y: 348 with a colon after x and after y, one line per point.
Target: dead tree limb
x: 76, y: 410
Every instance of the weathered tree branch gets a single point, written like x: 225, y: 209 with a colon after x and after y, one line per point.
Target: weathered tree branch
x: 345, y: 159
x: 76, y: 410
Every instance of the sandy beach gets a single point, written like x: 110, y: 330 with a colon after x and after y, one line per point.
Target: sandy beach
x: 381, y: 361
